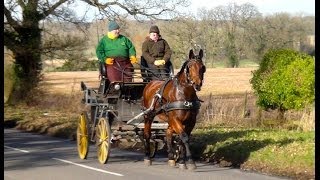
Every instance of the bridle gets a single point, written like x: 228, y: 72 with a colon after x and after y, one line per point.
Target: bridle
x: 178, y: 104
x: 189, y: 80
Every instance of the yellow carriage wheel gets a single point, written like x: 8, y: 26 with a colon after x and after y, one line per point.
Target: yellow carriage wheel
x: 82, y: 136
x: 103, y: 138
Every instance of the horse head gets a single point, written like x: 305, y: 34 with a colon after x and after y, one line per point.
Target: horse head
x: 195, y: 69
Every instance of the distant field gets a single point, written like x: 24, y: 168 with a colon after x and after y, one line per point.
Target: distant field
x: 217, y: 81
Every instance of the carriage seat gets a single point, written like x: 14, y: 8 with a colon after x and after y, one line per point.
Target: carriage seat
x: 147, y: 76
x: 104, y: 82
x: 102, y: 69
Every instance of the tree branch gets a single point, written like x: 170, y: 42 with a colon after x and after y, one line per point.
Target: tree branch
x: 52, y: 8
x: 132, y: 9
x: 13, y: 23
x: 21, y: 4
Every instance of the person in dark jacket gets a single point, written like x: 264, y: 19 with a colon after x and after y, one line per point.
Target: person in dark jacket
x: 118, y: 53
x: 156, y: 51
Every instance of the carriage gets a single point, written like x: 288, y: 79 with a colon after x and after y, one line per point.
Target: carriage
x: 153, y: 112
x: 113, y: 113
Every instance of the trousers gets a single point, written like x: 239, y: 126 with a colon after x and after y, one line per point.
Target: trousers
x: 120, y: 70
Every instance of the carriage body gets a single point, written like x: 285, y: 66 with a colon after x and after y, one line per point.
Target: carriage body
x: 113, y: 113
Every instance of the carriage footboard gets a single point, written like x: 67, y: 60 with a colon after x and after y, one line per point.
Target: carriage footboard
x: 89, y: 94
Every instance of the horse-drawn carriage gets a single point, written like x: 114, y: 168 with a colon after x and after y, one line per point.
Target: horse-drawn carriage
x: 121, y: 110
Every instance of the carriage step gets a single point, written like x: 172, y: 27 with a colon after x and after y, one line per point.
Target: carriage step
x: 139, y: 126
x: 123, y: 133
x: 153, y: 125
x: 123, y: 127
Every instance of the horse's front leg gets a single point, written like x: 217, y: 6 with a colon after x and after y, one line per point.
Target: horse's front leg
x: 186, y: 155
x: 147, y: 136
x: 171, y: 160
x: 181, y: 154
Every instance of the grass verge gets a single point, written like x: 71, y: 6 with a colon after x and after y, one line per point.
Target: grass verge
x: 276, y: 152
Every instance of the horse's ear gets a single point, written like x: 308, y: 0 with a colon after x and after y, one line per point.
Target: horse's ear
x: 201, y: 53
x: 191, y: 54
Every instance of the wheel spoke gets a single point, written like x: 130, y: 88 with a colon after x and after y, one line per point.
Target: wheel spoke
x: 82, y: 136
x: 102, y: 140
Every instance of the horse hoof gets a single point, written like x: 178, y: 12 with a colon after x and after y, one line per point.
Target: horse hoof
x: 147, y: 162
x: 172, y: 163
x: 191, y: 167
x: 182, y: 166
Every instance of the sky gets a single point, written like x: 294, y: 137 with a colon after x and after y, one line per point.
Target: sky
x: 266, y: 7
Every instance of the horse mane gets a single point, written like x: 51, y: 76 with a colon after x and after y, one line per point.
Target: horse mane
x: 183, y: 67
x: 191, y: 56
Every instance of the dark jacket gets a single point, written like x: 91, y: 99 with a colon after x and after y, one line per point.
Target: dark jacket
x: 152, y: 51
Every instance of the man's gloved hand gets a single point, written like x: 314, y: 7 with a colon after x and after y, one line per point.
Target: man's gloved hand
x: 133, y: 60
x: 109, y: 61
x: 162, y: 62
x: 159, y: 62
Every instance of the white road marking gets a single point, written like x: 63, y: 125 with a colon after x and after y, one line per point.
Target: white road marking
x: 88, y: 167
x: 25, y: 151
x: 45, y: 142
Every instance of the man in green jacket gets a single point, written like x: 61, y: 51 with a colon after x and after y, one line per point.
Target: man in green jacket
x: 156, y: 51
x: 118, y: 53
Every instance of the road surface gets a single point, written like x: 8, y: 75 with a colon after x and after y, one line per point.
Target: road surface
x: 29, y: 156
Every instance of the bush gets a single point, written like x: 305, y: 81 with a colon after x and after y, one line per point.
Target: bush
x: 285, y: 80
x: 9, y: 76
x: 74, y: 65
x: 9, y: 80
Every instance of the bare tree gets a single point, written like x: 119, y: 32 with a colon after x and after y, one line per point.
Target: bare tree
x: 233, y: 19
x: 212, y: 36
x: 182, y: 34
x: 23, y: 34
x: 280, y: 30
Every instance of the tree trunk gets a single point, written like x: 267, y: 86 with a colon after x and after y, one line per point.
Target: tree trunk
x: 232, y: 51
x: 28, y: 63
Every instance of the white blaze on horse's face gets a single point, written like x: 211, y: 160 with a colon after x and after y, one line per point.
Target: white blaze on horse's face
x: 196, y: 71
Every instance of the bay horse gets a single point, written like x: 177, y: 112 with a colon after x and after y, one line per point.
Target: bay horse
x: 175, y: 101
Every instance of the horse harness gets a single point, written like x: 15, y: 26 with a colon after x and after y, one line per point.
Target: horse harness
x: 176, y: 105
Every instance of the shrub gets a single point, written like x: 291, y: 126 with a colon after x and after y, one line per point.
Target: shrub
x: 9, y: 76
x: 9, y: 80
x: 285, y: 80
x: 74, y: 65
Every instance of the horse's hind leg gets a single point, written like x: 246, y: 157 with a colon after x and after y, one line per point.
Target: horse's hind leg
x: 171, y: 160
x: 147, y: 136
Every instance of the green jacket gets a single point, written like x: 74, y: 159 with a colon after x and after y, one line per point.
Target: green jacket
x: 152, y: 51
x: 119, y: 47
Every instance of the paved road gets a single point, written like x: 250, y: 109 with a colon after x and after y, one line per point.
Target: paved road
x: 31, y: 156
